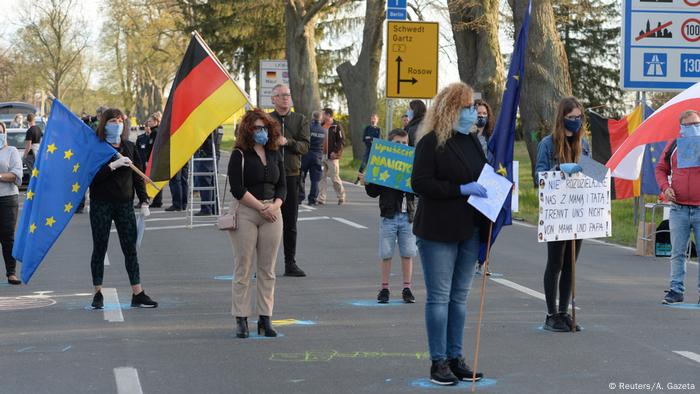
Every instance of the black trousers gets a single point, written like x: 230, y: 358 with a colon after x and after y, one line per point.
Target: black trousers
x: 102, y: 213
x: 559, y: 262
x: 178, y: 187
x: 9, y: 209
x: 290, y: 212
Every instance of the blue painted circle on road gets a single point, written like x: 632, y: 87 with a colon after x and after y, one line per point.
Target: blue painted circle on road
x: 425, y: 383
x: 254, y: 335
x: 493, y: 274
x: 683, y: 306
x: 109, y: 307
x: 374, y: 303
x: 224, y: 277
x: 541, y: 328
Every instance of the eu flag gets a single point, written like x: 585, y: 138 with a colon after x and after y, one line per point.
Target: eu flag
x: 652, y: 155
x: 69, y: 157
x: 502, y: 140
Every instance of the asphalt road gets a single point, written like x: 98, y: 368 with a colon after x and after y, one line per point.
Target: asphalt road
x: 334, y: 337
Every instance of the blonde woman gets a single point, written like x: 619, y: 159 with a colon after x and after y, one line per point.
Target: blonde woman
x: 447, y: 164
x: 10, y: 179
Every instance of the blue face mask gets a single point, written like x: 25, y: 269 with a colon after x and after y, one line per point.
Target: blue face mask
x: 687, y: 130
x: 466, y: 120
x: 573, y: 125
x: 409, y: 113
x: 260, y: 136
x: 113, y: 132
x: 481, y: 121
x: 3, y: 138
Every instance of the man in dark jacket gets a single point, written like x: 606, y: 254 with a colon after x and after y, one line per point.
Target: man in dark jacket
x: 335, y: 142
x: 294, y: 143
x: 416, y: 113
x: 397, y: 209
x: 311, y: 163
x: 144, y: 145
x: 371, y: 132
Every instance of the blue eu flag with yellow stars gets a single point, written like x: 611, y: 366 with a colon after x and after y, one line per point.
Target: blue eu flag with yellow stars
x: 501, y: 143
x: 69, y: 157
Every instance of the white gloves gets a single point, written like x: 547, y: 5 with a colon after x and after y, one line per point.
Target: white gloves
x: 120, y: 162
x: 145, y: 211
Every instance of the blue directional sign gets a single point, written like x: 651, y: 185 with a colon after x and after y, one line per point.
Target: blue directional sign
x: 660, y: 44
x: 396, y: 10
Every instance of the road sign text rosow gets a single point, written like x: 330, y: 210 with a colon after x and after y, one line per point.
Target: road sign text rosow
x: 412, y: 59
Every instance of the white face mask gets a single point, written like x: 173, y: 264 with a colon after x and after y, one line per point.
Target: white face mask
x: 3, y: 138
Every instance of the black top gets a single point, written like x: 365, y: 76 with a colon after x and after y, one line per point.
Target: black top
x: 412, y: 129
x: 443, y: 214
x: 391, y: 200
x: 34, y: 134
x: 144, y: 145
x: 119, y: 185
x: 370, y: 133
x: 263, y: 182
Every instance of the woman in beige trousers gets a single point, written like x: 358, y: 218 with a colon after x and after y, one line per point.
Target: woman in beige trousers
x: 256, y: 174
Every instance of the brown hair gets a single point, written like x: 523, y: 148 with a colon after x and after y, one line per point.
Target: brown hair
x: 564, y: 151
x: 107, y: 115
x: 488, y: 129
x: 687, y: 114
x: 396, y: 133
x: 244, y: 134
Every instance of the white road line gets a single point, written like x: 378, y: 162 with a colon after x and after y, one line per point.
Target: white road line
x: 165, y: 219
x: 113, y: 312
x: 127, y: 380
x: 176, y: 227
x: 693, y: 356
x: 349, y: 223
x: 307, y: 207
x: 107, y: 259
x: 522, y: 289
x: 312, y: 218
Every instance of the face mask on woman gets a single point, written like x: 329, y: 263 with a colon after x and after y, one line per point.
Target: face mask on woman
x: 260, y: 136
x: 409, y: 114
x: 3, y: 138
x: 466, y: 120
x: 573, y: 125
x: 687, y: 130
x: 113, y: 132
x: 481, y: 121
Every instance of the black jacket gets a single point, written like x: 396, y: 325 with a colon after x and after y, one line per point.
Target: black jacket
x: 390, y: 201
x: 412, y: 129
x: 336, y: 140
x: 295, y: 128
x: 443, y: 214
x: 144, y: 145
x: 119, y: 185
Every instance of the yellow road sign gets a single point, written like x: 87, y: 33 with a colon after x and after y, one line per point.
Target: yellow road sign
x: 412, y: 59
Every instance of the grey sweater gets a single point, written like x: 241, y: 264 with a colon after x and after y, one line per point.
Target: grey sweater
x: 10, y: 161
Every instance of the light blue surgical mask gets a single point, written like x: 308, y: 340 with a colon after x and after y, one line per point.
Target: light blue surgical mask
x: 3, y: 138
x: 409, y: 114
x: 466, y: 120
x: 687, y: 130
x: 113, y: 132
x: 260, y: 136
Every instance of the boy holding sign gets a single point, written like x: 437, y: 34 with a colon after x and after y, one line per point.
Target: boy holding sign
x: 397, y: 208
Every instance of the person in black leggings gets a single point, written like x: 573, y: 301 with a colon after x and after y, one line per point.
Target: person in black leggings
x: 559, y: 152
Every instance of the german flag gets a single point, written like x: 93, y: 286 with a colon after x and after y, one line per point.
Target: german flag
x: 203, y: 96
x: 606, y: 136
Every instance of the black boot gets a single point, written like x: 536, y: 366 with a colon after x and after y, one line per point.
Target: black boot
x: 291, y: 269
x: 265, y: 327
x: 242, y: 327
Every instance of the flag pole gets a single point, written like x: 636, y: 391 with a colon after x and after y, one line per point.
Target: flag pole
x: 573, y: 285
x: 481, y: 307
x: 199, y: 38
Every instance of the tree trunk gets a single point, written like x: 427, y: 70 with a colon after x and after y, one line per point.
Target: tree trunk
x: 475, y: 31
x: 360, y: 80
x: 301, y: 17
x: 546, y: 78
x: 246, y: 78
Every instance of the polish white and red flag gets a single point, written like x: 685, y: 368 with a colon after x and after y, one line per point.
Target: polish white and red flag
x: 662, y: 125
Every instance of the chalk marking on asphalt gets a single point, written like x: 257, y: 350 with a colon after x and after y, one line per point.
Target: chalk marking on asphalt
x: 690, y: 355
x: 349, y: 223
x: 127, y: 380
x: 107, y: 257
x: 313, y: 218
x: 307, y: 207
x: 112, y: 315
x: 521, y: 288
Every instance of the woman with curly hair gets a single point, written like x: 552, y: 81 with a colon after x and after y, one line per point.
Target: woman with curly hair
x: 256, y: 174
x: 448, y: 161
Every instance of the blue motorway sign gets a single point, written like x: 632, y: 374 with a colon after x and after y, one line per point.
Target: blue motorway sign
x: 396, y: 10
x: 660, y: 44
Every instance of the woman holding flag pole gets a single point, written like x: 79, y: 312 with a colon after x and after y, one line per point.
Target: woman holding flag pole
x: 111, y: 199
x: 560, y: 151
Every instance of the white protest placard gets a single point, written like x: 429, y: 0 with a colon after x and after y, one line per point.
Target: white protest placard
x: 497, y: 188
x: 573, y: 207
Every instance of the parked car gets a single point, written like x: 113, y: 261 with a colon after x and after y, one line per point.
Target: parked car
x: 15, y: 137
x: 8, y: 110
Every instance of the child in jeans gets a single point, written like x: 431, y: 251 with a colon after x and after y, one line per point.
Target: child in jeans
x: 396, y: 209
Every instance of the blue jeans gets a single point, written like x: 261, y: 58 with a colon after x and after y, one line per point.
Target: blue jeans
x: 682, y: 219
x: 396, y: 229
x: 448, y: 270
